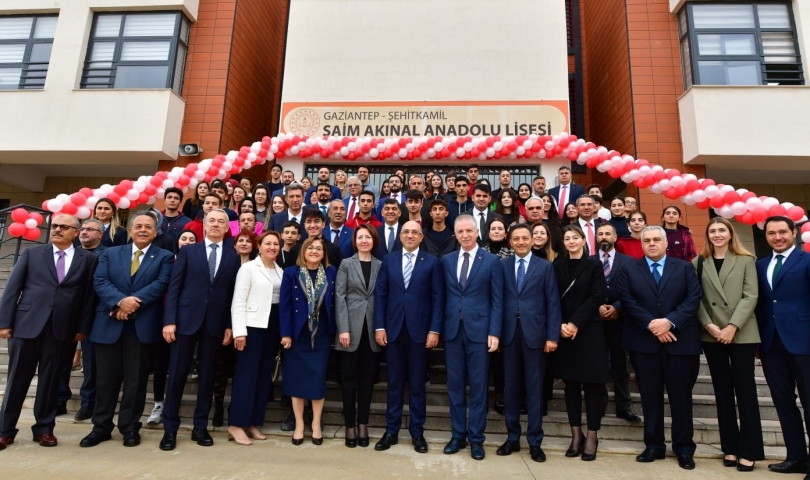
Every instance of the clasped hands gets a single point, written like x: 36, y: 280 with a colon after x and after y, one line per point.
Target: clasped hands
x: 723, y: 335
x: 660, y: 327
x: 125, y: 307
x: 608, y: 312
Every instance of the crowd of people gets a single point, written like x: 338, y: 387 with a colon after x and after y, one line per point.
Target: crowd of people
x: 521, y: 285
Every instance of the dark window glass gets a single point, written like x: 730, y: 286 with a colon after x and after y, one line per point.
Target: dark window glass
x: 25, y: 50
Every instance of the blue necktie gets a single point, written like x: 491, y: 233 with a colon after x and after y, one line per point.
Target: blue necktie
x: 406, y: 274
x: 521, y: 274
x: 323, y: 210
x: 391, y: 239
x: 212, y: 261
x: 656, y: 275
x: 465, y: 266
x: 776, y: 269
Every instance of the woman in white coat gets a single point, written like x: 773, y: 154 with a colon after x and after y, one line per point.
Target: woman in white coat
x: 254, y: 315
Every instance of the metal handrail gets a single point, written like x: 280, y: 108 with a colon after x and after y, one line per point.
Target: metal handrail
x: 19, y: 240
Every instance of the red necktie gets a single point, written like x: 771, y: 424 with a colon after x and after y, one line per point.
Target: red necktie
x: 591, y: 239
x: 562, y: 203
x: 351, y: 208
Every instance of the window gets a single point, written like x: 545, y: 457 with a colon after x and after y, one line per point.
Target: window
x: 25, y: 50
x: 137, y: 50
x: 739, y: 44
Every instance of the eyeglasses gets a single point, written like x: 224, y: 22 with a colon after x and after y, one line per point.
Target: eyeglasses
x: 87, y: 229
x: 314, y: 249
x: 57, y: 226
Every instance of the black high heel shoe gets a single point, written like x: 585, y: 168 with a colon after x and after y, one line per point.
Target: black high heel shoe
x: 297, y: 441
x: 589, y: 457
x: 351, y: 442
x: 745, y: 468
x: 729, y: 463
x: 571, y: 452
x: 361, y: 440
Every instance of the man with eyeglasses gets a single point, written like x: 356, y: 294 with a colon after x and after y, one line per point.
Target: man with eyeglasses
x: 534, y: 214
x: 630, y: 206
x: 46, y: 308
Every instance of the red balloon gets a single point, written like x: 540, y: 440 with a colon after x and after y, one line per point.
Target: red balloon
x: 36, y: 216
x: 706, y: 182
x: 78, y: 199
x: 143, y: 197
x: 717, y: 201
x: 19, y: 215
x: 70, y: 208
x: 659, y: 175
x: 32, y: 234
x: 45, y: 205
x: 692, y: 185
x: 671, y: 193
x: 748, y: 218
x: 704, y: 204
x: 745, y: 196
x: 87, y: 192
x: 777, y: 210
x: 806, y: 227
x: 150, y: 190
x: 760, y: 214
x: 673, y: 172
x: 156, y: 181
x: 795, y: 213
x: 731, y: 197
x: 806, y: 247
x: 114, y: 197
x: 17, y: 229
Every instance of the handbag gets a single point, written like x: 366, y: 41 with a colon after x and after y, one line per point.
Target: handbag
x: 278, y: 366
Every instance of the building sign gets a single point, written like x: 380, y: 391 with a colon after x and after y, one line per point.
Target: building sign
x: 415, y: 119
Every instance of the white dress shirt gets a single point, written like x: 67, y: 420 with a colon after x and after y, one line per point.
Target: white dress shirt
x: 208, y: 244
x: 477, y: 214
x: 772, y: 263
x: 583, y: 225
x: 297, y: 218
x: 68, y: 256
x: 565, y: 195
x: 135, y: 249
x: 525, y: 263
x: 388, y: 232
x: 415, y: 254
x: 472, y: 253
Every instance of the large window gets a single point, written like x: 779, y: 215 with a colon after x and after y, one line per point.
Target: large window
x: 137, y: 50
x: 25, y: 50
x: 739, y: 44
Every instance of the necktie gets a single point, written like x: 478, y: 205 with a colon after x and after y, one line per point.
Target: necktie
x: 606, y: 264
x: 562, y: 202
x: 212, y: 261
x: 521, y: 274
x: 776, y: 269
x: 391, y: 239
x: 337, y: 235
x: 655, y: 273
x: 136, y: 262
x: 352, y: 207
x: 294, y: 219
x: 465, y: 266
x: 60, y: 266
x: 591, y: 239
x: 481, y: 225
x: 406, y: 274
x: 323, y: 210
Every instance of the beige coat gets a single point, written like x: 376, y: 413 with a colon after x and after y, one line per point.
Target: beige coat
x: 729, y: 296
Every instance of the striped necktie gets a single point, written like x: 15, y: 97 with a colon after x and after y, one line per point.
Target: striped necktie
x: 406, y: 273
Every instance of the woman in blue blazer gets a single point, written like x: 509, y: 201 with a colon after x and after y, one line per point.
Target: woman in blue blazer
x: 307, y: 321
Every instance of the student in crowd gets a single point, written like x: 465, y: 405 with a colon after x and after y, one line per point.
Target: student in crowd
x: 497, y: 242
x: 524, y: 193
x: 365, y: 212
x: 438, y: 239
x: 472, y: 178
x: 363, y: 176
x: 239, y: 194
x: 290, y: 235
x: 534, y: 214
x: 246, y: 220
x: 541, y: 242
x: 435, y: 187
x: 246, y: 184
x: 385, y: 190
x: 107, y: 213
x: 617, y: 218
x: 193, y: 205
x: 278, y: 204
x: 595, y: 190
x: 414, y: 200
x: 461, y: 203
x: 340, y: 182
x: 275, y: 182
x: 679, y: 237
x: 306, y: 182
x: 631, y: 245
x: 260, y: 199
x: 218, y: 188
x: 550, y: 214
x: 450, y: 186
x: 630, y: 205
x: 571, y: 215
x: 173, y: 219
x: 507, y: 206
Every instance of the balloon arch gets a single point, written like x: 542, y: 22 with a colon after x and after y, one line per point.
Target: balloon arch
x: 727, y: 201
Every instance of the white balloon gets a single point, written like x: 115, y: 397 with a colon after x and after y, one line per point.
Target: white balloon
x: 83, y: 212
x: 123, y: 203
x: 63, y: 197
x: 460, y: 152
x: 490, y: 152
x: 711, y: 191
x: 761, y: 225
x: 769, y: 202
x: 344, y: 151
x: 739, y: 208
x: 655, y: 188
x: 520, y: 151
x: 373, y: 153
x: 404, y: 153
x: 689, y: 199
x: 806, y: 237
x: 497, y: 146
x: 725, y: 211
x: 294, y: 150
x: 753, y: 203
x: 665, y: 184
x: 91, y: 202
x: 54, y: 205
x: 167, y: 183
x: 699, y: 195
x: 252, y: 156
x: 133, y: 194
x: 192, y: 184
x: 140, y: 185
x: 199, y: 175
x: 788, y: 205
x: 30, y: 223
x: 726, y: 189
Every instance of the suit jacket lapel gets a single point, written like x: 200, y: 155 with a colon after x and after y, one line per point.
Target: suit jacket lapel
x: 50, y: 262
x: 711, y: 272
x: 75, y: 265
x: 479, y: 259
x: 728, y: 265
x: 204, y: 260
x: 375, y: 269
x: 668, y: 268
x: 792, y: 260
x: 355, y: 262
x: 646, y: 273
x: 417, y: 263
x: 146, y: 262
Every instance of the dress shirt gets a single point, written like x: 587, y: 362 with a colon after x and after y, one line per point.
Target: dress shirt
x: 477, y: 215
x: 135, y: 249
x: 661, y: 271
x: 472, y: 253
x: 582, y: 225
x: 297, y: 218
x: 388, y: 233
x: 68, y: 257
x: 397, y: 196
x: 340, y: 230
x: 564, y: 199
x: 611, y: 257
x: 208, y: 244
x: 525, y: 259
x: 772, y: 263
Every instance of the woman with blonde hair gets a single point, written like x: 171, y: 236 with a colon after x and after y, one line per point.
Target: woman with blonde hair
x: 106, y: 212
x: 728, y: 277
x: 341, y: 180
x: 541, y: 238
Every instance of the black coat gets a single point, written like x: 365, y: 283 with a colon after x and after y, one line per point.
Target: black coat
x: 585, y: 358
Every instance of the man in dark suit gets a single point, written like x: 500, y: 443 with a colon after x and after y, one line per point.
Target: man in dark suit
x: 336, y: 230
x: 131, y: 282
x: 531, y: 329
x: 395, y: 185
x: 615, y: 265
x: 287, y: 178
x: 589, y: 221
x: 566, y: 192
x: 388, y: 233
x: 473, y: 314
x: 323, y: 178
x: 47, y: 307
x: 408, y: 319
x: 481, y: 212
x: 662, y: 334
x: 314, y: 226
x: 783, y: 317
x: 295, y: 203
x: 198, y: 314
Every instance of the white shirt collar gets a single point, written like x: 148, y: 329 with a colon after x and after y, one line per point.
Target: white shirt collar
x: 68, y: 251
x: 144, y: 249
x: 525, y: 259
x: 209, y: 242
x: 785, y: 254
x: 472, y: 252
x: 415, y: 253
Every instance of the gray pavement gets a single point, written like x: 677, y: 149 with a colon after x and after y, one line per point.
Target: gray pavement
x: 277, y: 458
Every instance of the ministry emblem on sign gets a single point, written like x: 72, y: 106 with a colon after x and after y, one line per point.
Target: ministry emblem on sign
x: 305, y: 122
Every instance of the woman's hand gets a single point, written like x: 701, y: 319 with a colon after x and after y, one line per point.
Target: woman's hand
x: 286, y: 342
x: 239, y: 343
x: 345, y: 339
x: 569, y: 330
x: 713, y: 330
x: 727, y: 334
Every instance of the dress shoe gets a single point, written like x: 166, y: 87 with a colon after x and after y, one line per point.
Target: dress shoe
x: 297, y: 441
x: 254, y: 433
x: 169, y: 441
x: 571, y: 452
x: 317, y: 441
x: 454, y: 445
x: 500, y: 408
x: 419, y: 444
x: 508, y: 448
x: 45, y: 439
x: 94, y: 438
x: 686, y: 461
x: 628, y: 415
x: 650, y: 455
x: 61, y: 410
x: 132, y: 439
x: 84, y: 413
x: 537, y: 453
x: 288, y: 425
x: 238, y: 436
x: 788, y: 466
x: 202, y: 437
x: 5, y: 441
x: 729, y: 463
x: 362, y: 440
x: 385, y: 442
x: 589, y: 457
x: 477, y: 451
x: 749, y: 468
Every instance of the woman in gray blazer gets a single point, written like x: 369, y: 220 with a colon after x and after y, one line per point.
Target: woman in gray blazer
x: 729, y: 280
x: 354, y: 308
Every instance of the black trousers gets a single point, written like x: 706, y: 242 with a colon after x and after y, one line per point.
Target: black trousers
x: 593, y: 404
x: 123, y: 363
x: 496, y: 365
x: 161, y: 370
x: 618, y: 367
x: 225, y: 369
x: 24, y: 355
x: 358, y: 372
x: 678, y: 373
x: 786, y: 373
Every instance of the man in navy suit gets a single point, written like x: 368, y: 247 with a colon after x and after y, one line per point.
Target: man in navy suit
x: 395, y: 185
x: 323, y: 178
x: 389, y: 232
x: 408, y: 320
x: 295, y: 203
x: 662, y: 334
x: 198, y: 314
x: 615, y: 265
x: 473, y: 314
x: 566, y: 192
x: 47, y: 307
x: 783, y: 317
x: 131, y: 282
x: 336, y: 230
x: 530, y: 330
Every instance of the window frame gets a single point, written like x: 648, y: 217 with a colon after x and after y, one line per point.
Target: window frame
x: 29, y: 46
x: 691, y: 36
x: 171, y: 62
